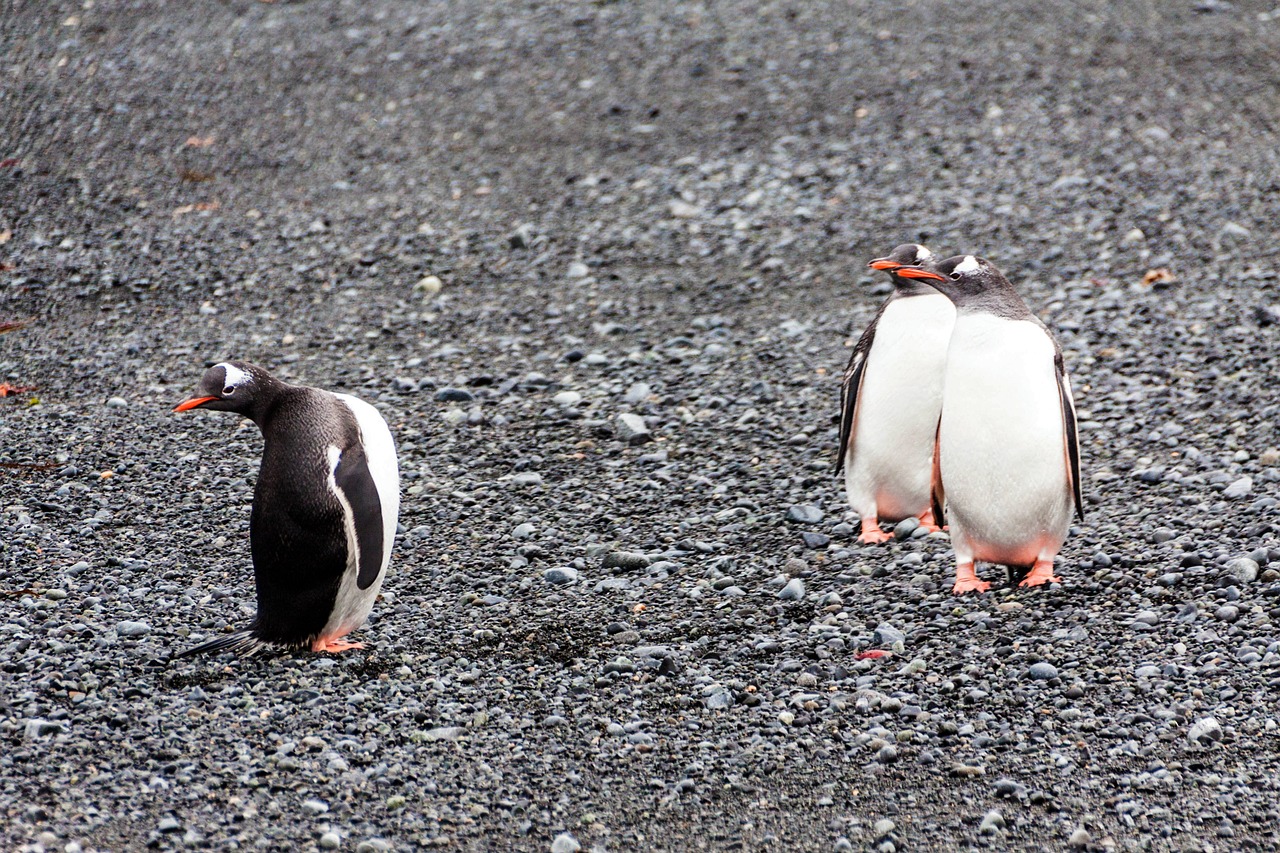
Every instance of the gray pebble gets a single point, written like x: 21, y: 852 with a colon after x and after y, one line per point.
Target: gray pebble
x: 719, y: 699
x: 903, y: 529
x: 565, y: 843
x: 330, y: 841
x: 1043, y: 671
x: 454, y: 395
x: 1243, y: 570
x: 804, y: 514
x: 793, y: 591
x: 373, y: 845
x: 314, y: 807
x: 117, y: 402
x: 133, y: 629
x: 630, y: 560
x: 992, y: 823
x: 815, y: 540
x: 1239, y: 489
x: 883, y: 827
x: 886, y: 635
x: 561, y: 575
x: 1204, y: 731
x: 637, y: 393
x: 632, y: 429
x: 1080, y: 837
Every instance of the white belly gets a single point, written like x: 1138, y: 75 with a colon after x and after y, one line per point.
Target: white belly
x: 352, y: 605
x: 1002, y: 446
x: 889, y: 463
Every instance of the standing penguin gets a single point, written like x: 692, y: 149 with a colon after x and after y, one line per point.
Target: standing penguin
x: 1008, y: 453
x: 324, y: 508
x: 892, y: 394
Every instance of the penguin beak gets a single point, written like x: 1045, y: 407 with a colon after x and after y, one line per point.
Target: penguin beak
x: 884, y: 264
x: 193, y: 403
x: 916, y: 272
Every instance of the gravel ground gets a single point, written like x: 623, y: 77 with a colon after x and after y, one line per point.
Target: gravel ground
x: 600, y: 264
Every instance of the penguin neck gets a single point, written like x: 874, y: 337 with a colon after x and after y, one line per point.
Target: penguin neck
x: 903, y: 287
x: 267, y: 401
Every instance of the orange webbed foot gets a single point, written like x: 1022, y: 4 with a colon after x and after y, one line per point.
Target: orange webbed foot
x: 928, y: 523
x: 967, y: 581
x: 333, y: 645
x: 1041, y: 573
x: 871, y: 532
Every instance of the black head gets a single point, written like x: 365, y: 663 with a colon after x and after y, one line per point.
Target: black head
x: 970, y: 281
x: 232, y: 386
x: 906, y: 255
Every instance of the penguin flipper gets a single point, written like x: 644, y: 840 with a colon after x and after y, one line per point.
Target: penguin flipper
x: 354, y: 480
x: 852, y: 384
x: 937, y: 495
x: 1070, y: 430
x: 241, y: 643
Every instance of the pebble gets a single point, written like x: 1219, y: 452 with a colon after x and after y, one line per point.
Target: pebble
x: 804, y: 514
x: 1080, y: 837
x: 330, y: 841
x: 883, y: 827
x: 815, y: 540
x: 630, y: 560
x: 992, y: 823
x: 313, y: 808
x: 637, y: 393
x: 1239, y: 489
x: 1043, y: 671
x: 886, y: 635
x: 373, y: 845
x: 578, y: 269
x: 1243, y: 570
x: 133, y: 629
x: 719, y: 699
x: 567, y: 399
x: 1204, y: 731
x: 632, y: 429
x: 903, y: 529
x: 117, y: 402
x: 793, y: 591
x: 169, y: 824
x: 565, y: 843
x: 561, y: 575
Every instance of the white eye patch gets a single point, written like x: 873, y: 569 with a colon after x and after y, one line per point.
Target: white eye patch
x: 969, y: 264
x: 923, y: 255
x: 235, y: 377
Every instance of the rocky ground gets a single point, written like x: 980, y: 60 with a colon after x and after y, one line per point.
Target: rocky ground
x: 599, y: 265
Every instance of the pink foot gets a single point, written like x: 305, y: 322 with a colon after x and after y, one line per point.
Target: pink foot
x: 1041, y: 573
x: 333, y: 645
x: 871, y: 532
x: 928, y: 523
x: 967, y: 581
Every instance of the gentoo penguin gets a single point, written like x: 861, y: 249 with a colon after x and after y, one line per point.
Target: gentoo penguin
x: 324, y: 508
x: 1008, y: 453
x: 891, y: 397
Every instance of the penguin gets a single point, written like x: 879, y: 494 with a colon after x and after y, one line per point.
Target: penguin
x: 890, y: 401
x: 324, y: 508
x: 1008, y: 454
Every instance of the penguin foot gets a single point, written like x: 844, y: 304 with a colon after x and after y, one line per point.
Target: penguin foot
x: 928, y: 523
x: 967, y: 581
x: 333, y: 645
x: 1041, y: 573
x: 871, y: 532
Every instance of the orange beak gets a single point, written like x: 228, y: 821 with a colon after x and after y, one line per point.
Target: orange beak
x: 884, y: 264
x: 193, y: 403
x: 916, y: 272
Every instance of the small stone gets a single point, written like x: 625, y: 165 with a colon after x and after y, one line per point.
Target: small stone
x: 903, y: 529
x: 1204, y: 731
x: 314, y: 808
x: 992, y: 823
x: 117, y: 402
x: 405, y: 385
x: 1243, y: 570
x: 41, y: 728
x: 169, y: 824
x: 719, y: 699
x: 887, y: 754
x: 1227, y: 613
x: 522, y: 237
x: 815, y: 540
x: 454, y: 395
x: 330, y: 841
x: 429, y: 285
x: 454, y: 416
x: 526, y: 478
x: 561, y: 575
x: 883, y: 827
x: 567, y: 399
x: 1080, y: 837
x: 1235, y: 230
x: 442, y: 733
x: 632, y: 429
x: 793, y: 591
x: 1043, y: 671
x: 804, y: 514
x: 578, y: 269
x: 523, y: 530
x: 565, y: 843
x: 637, y: 393
x: 628, y: 560
x: 887, y: 635
x: 133, y: 629
x: 1239, y: 489
x: 373, y: 845
x: 1163, y: 534
x: 683, y: 210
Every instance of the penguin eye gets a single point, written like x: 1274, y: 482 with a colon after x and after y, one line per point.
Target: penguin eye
x: 955, y: 276
x: 228, y: 391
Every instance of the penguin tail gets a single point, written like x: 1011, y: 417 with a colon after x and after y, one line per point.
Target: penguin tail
x: 241, y: 643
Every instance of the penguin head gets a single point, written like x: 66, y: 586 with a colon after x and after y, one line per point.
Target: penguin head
x: 230, y: 386
x: 959, y: 277
x: 906, y: 255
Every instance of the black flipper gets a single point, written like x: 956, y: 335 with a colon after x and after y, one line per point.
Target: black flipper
x: 1069, y: 426
x: 356, y: 484
x: 852, y: 384
x: 241, y: 643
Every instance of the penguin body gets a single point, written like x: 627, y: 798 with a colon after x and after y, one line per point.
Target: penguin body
x: 892, y: 395
x: 324, y: 508
x: 1008, y: 452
